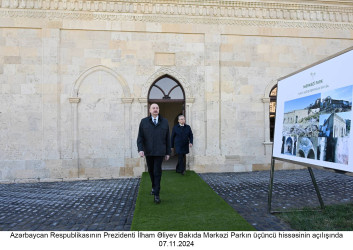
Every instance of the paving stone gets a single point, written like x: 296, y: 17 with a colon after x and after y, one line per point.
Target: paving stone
x: 66, y: 206
x: 106, y: 205
x: 247, y: 193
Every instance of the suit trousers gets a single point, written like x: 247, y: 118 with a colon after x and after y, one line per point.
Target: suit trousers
x: 154, y: 164
x: 181, y: 164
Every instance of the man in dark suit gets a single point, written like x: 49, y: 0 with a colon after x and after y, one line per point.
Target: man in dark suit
x: 153, y: 141
x: 181, y: 140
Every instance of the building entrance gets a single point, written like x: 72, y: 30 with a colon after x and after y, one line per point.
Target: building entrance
x: 169, y: 95
x: 171, y: 111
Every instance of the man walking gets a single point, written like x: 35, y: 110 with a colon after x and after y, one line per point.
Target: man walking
x: 181, y: 140
x: 153, y: 141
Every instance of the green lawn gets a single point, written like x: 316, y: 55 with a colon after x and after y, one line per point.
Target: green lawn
x: 332, y: 218
x: 188, y: 204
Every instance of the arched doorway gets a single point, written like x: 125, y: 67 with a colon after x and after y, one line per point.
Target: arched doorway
x: 168, y: 93
x: 273, y: 100
x: 311, y: 154
x: 289, y: 144
x: 301, y: 154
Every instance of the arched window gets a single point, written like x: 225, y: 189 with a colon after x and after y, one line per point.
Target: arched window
x: 273, y: 98
x: 301, y: 154
x: 166, y: 88
x: 311, y: 154
x: 168, y: 93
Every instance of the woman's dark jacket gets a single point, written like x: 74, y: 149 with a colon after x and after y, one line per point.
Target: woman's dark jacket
x: 153, y: 139
x: 181, y: 137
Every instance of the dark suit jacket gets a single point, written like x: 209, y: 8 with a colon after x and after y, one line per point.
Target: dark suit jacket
x: 181, y: 137
x: 153, y: 139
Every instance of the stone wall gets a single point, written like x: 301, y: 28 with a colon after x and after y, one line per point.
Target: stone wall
x: 75, y: 75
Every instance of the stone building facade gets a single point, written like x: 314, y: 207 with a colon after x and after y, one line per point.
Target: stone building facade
x: 295, y: 116
x: 75, y: 78
x: 335, y: 126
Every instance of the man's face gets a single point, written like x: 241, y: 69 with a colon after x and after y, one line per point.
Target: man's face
x: 181, y: 120
x: 154, y: 109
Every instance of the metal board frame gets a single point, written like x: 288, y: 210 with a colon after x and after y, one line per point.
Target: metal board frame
x: 322, y: 205
x: 276, y: 142
x: 309, y: 166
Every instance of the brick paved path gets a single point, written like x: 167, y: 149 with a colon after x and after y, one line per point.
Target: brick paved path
x: 247, y: 193
x: 109, y: 204
x: 70, y: 206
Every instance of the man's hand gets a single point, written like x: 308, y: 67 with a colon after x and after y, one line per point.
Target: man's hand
x: 142, y: 154
x: 190, y: 145
x: 166, y: 157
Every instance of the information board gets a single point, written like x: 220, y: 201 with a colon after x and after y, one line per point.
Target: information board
x: 314, y: 114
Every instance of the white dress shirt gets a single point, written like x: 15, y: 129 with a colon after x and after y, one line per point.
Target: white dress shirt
x: 155, y: 119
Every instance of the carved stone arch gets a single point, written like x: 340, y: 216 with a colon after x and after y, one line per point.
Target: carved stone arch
x: 170, y: 72
x: 126, y: 121
x: 120, y: 79
x: 269, y: 87
x: 266, y: 101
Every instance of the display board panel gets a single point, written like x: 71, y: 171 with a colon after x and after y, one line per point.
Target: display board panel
x: 314, y: 114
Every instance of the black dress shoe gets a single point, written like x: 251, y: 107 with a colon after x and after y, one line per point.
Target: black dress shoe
x: 183, y: 172
x: 152, y: 192
x: 157, y: 200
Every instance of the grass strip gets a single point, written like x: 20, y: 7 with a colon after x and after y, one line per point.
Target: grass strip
x: 188, y: 204
x: 332, y: 218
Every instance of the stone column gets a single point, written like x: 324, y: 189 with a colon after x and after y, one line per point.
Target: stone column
x: 74, y: 109
x: 266, y: 102
x: 212, y: 94
x: 143, y: 104
x: 188, y: 110
x: 267, y: 143
x: 50, y: 93
x: 127, y: 126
